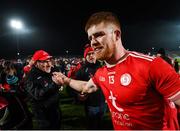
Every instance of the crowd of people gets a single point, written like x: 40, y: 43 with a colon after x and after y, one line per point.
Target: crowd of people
x: 141, y: 91
x: 38, y: 95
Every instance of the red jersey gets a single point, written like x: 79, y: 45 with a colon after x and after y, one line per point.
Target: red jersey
x: 73, y: 69
x: 138, y: 90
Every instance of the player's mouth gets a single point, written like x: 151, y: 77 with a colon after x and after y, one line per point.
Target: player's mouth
x: 98, y: 49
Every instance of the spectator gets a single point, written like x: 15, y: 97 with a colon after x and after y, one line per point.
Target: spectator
x: 15, y: 115
x: 28, y: 66
x: 94, y: 103
x: 162, y: 53
x: 43, y: 92
x: 71, y: 74
x: 176, y: 65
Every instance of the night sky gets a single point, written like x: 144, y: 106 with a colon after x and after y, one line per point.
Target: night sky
x: 58, y: 26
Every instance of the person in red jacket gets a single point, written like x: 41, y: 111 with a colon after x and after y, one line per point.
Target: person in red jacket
x: 73, y: 69
x: 27, y: 68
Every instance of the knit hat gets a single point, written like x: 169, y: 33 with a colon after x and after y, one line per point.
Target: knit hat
x: 88, y: 49
x: 41, y: 55
x: 11, y: 79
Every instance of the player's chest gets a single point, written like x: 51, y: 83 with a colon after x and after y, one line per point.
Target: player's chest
x: 126, y: 85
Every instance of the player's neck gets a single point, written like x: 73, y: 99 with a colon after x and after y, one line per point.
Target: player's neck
x: 117, y: 57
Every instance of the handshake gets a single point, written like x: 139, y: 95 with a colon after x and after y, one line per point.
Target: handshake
x: 60, y: 79
x: 80, y: 86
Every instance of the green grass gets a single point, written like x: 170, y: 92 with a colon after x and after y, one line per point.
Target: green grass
x: 73, y: 117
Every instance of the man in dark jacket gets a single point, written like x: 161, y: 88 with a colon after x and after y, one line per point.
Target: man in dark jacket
x: 162, y: 53
x: 43, y: 92
x: 94, y: 103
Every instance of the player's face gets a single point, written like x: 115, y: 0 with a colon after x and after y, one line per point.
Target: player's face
x: 102, y: 41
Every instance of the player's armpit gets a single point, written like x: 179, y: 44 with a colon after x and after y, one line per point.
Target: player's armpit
x: 177, y: 102
x: 90, y: 87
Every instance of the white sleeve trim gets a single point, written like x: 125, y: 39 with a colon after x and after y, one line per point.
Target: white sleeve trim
x: 175, y: 96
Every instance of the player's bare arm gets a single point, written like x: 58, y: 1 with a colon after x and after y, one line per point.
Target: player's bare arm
x: 89, y: 87
x: 81, y: 86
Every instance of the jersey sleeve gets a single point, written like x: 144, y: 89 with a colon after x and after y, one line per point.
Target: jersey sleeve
x: 165, y: 79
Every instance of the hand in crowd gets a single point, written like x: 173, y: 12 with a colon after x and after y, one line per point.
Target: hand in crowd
x: 31, y: 62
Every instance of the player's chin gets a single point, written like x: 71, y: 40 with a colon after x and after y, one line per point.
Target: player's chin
x: 100, y: 57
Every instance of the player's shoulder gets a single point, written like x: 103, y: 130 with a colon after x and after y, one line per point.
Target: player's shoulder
x: 141, y: 56
x: 101, y: 70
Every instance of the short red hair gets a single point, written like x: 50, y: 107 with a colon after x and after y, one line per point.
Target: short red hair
x: 99, y: 17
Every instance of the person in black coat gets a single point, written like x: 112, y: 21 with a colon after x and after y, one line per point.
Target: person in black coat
x: 94, y: 103
x: 162, y: 53
x: 43, y: 92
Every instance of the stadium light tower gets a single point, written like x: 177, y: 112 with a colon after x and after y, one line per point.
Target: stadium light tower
x: 17, y: 25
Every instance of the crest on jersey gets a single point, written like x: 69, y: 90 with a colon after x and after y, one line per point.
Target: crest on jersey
x: 125, y: 79
x: 101, y: 78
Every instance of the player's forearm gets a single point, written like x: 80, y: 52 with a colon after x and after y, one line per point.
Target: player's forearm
x: 77, y: 84
x: 61, y: 79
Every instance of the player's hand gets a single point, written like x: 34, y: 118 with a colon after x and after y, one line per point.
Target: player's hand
x: 60, y: 79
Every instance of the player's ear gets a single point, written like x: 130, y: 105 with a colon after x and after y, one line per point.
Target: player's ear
x: 117, y: 34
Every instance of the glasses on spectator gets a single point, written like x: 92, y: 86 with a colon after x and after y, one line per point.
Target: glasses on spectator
x: 45, y: 61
